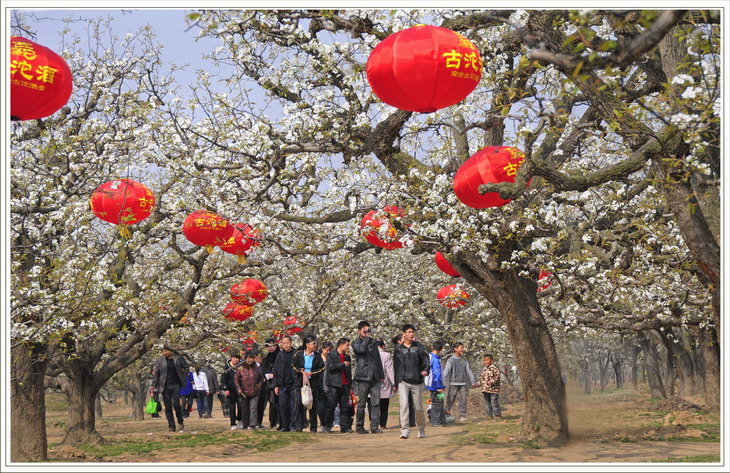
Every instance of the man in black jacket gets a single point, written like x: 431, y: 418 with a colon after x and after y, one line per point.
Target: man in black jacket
x: 267, y: 367
x: 284, y: 381
x: 411, y: 364
x: 369, y: 375
x: 339, y: 380
x: 228, y: 388
x: 212, y: 378
x: 168, y: 378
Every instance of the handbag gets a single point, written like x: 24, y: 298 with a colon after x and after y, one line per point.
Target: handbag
x: 151, y: 407
x: 307, y: 398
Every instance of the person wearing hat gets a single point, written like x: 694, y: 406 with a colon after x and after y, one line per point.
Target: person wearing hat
x: 269, y: 394
x: 228, y: 387
x: 249, y: 380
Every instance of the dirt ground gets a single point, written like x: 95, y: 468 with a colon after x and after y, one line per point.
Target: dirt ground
x: 613, y: 427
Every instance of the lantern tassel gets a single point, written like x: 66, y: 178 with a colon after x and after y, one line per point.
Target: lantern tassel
x: 124, y: 232
x: 241, y: 259
x: 209, y: 249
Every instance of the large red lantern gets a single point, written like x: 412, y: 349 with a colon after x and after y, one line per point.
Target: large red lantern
x: 207, y: 229
x: 452, y: 296
x: 378, y: 230
x: 234, y: 311
x: 291, y: 322
x: 424, y: 68
x: 544, y: 280
x: 445, y: 266
x: 122, y: 202
x: 244, y: 239
x: 40, y: 80
x: 491, y: 164
x: 249, y: 292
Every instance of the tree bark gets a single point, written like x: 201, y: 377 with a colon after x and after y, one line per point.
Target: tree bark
x: 587, y: 378
x: 97, y: 405
x: 28, y: 440
x: 82, y: 395
x: 651, y: 362
x: 515, y: 298
x: 139, y: 393
x: 710, y: 350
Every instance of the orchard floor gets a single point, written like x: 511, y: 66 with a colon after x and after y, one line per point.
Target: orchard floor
x: 620, y: 426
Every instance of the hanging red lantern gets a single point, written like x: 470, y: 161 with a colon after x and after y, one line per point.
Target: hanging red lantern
x: 452, y: 296
x: 249, y: 292
x: 122, y: 202
x: 546, y: 278
x: 278, y: 335
x: 40, y: 80
x: 376, y: 227
x: 243, y: 240
x: 234, y: 311
x: 249, y: 340
x: 207, y: 229
x: 424, y: 68
x: 291, y: 323
x: 491, y: 164
x: 445, y: 266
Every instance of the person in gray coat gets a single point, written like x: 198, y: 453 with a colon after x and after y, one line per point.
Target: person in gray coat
x: 168, y: 377
x: 213, y: 389
x: 458, y: 376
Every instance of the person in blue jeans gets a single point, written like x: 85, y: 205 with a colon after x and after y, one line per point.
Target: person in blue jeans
x: 186, y: 395
x: 200, y: 386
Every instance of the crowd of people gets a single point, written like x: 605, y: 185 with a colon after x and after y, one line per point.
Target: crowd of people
x: 331, y: 395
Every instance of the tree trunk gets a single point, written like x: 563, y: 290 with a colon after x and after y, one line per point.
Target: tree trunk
x: 587, y: 378
x: 82, y: 395
x: 616, y: 363
x: 97, y: 405
x: 710, y: 351
x: 651, y: 362
x: 635, y: 367
x: 138, y: 398
x: 28, y: 440
x: 545, y: 416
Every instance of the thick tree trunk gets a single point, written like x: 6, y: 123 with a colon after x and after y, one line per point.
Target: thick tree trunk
x: 635, y: 367
x: 138, y: 398
x: 710, y: 351
x: 545, y: 416
x: 82, y: 395
x: 683, y: 363
x: 97, y: 405
x: 651, y: 362
x: 28, y: 403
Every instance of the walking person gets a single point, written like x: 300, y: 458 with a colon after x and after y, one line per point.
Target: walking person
x: 327, y: 347
x: 271, y: 398
x: 228, y: 387
x: 339, y: 380
x: 249, y: 380
x: 386, y: 387
x: 186, y: 395
x: 459, y: 376
x: 213, y: 389
x: 284, y: 380
x: 411, y: 364
x: 200, y: 387
x: 309, y: 366
x: 261, y: 407
x: 435, y: 384
x: 397, y: 340
x: 489, y: 381
x: 369, y: 375
x: 167, y: 379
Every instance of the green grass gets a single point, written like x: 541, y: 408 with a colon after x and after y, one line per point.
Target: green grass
x: 690, y: 459
x: 256, y: 442
x: 476, y: 439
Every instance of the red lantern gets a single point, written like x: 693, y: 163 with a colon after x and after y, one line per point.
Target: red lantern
x: 375, y: 226
x: 445, y: 266
x: 291, y: 324
x: 278, y: 335
x: 40, y: 80
x: 234, y: 311
x: 491, y: 164
x: 244, y: 239
x: 452, y: 296
x: 205, y: 228
x: 249, y: 341
x: 546, y: 277
x: 424, y: 68
x: 122, y: 202
x: 249, y: 292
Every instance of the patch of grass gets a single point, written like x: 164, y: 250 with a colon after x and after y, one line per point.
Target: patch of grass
x: 257, y: 442
x: 56, y: 402
x: 476, y: 439
x: 626, y: 439
x: 531, y: 444
x: 690, y: 459
x: 652, y: 425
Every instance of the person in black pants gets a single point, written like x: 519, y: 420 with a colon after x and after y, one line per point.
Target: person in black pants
x: 228, y: 388
x: 268, y: 393
x: 369, y: 376
x: 327, y: 347
x: 284, y: 381
x: 168, y: 377
x: 308, y: 362
x: 339, y: 381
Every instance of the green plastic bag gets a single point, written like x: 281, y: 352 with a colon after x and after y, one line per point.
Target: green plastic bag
x: 151, y: 407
